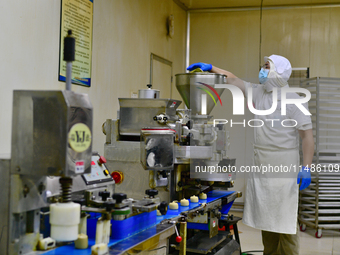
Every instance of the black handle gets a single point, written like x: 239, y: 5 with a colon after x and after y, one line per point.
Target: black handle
x: 104, y: 195
x: 163, y: 207
x: 69, y: 47
x: 151, y: 192
x: 119, y: 197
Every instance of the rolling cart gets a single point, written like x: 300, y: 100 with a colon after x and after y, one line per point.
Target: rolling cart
x: 319, y: 204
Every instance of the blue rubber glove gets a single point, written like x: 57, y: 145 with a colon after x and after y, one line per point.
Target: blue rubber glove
x: 203, y: 66
x: 304, y: 177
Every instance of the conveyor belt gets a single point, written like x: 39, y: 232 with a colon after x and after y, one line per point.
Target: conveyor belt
x: 211, y: 196
x: 117, y: 246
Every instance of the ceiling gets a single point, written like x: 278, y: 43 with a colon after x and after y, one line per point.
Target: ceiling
x: 209, y: 4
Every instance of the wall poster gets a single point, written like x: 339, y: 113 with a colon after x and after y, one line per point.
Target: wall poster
x: 77, y: 15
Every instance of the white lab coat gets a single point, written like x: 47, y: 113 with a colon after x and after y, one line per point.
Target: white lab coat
x: 271, y: 201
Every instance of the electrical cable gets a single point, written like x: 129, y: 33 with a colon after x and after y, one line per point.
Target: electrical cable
x: 260, y: 33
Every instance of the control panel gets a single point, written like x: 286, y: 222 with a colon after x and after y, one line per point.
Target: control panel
x: 99, y: 172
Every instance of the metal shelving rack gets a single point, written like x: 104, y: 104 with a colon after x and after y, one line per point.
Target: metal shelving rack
x: 319, y: 205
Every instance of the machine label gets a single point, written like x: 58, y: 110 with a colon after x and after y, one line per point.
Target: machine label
x: 80, y: 167
x: 79, y: 137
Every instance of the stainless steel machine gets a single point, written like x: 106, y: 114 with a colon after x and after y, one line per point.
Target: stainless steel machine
x: 51, y: 136
x: 154, y: 144
x: 187, y: 140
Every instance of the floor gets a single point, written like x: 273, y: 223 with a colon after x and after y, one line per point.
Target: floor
x: 328, y: 244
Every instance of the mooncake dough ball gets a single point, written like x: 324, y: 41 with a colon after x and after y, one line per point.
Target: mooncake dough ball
x: 184, y: 202
x: 194, y: 199
x: 173, y: 206
x: 203, y: 196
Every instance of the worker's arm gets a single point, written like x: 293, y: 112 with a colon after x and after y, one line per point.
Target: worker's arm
x: 304, y: 175
x: 307, y: 146
x: 231, y: 78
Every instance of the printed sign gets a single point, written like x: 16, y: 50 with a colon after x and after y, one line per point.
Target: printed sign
x: 77, y: 15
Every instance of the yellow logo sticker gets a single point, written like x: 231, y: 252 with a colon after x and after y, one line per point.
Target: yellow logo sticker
x: 79, y: 137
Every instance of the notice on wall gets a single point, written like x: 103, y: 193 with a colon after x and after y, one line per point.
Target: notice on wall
x: 77, y: 15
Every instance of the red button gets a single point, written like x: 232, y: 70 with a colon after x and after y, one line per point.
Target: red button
x: 101, y: 160
x: 117, y: 176
x: 178, y: 239
x: 92, y: 163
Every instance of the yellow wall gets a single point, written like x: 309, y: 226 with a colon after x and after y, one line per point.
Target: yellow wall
x: 308, y: 37
x: 226, y: 39
x: 125, y: 33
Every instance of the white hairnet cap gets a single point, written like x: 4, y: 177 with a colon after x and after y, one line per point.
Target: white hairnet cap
x: 282, y: 65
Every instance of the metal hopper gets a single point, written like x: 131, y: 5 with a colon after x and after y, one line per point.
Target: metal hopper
x: 198, y: 92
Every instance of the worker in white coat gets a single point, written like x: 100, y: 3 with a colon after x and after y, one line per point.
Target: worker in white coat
x: 271, y: 201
